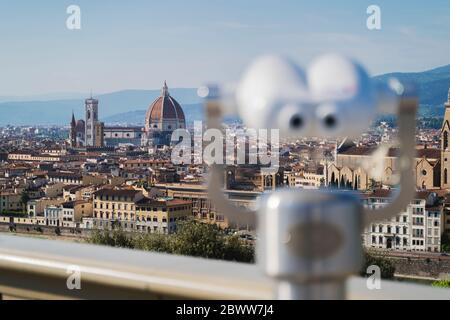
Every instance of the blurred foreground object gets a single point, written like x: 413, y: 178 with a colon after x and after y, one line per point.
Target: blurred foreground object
x: 311, y: 240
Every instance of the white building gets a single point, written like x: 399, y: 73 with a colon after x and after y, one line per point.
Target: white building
x: 53, y: 216
x: 68, y: 215
x: 419, y: 228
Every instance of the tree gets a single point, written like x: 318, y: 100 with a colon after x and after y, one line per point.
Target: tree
x: 199, y: 240
x: 153, y: 242
x: 445, y: 247
x: 115, y: 238
x: 235, y: 250
x: 192, y: 239
x: 24, y: 198
x: 441, y: 284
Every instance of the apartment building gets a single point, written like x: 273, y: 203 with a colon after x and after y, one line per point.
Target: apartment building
x: 144, y: 164
x: 77, y: 192
x: 435, y: 228
x: 53, y: 189
x: 310, y: 179
x: 446, y: 213
x: 203, y: 208
x: 10, y: 201
x: 130, y: 210
x: 112, y: 206
x: 73, y: 213
x: 36, y: 207
x: 161, y: 215
x: 65, y: 177
x: 418, y: 228
x: 32, y: 157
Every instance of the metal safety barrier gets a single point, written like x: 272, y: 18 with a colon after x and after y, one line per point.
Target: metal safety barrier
x: 40, y: 269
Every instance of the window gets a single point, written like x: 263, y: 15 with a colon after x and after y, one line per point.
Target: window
x: 445, y: 144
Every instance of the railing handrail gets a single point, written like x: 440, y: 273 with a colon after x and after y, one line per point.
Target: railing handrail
x: 36, y: 268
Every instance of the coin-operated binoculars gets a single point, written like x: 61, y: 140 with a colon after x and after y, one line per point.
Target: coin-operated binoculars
x: 310, y: 240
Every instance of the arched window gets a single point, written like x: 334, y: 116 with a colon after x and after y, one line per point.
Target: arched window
x: 445, y: 140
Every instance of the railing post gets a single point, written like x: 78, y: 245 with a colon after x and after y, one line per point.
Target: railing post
x: 310, y: 242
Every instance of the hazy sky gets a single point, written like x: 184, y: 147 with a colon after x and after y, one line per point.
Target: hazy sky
x: 138, y: 44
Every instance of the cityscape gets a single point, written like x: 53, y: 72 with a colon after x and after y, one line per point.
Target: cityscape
x: 94, y: 176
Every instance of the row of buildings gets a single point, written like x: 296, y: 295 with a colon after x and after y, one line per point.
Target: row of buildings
x: 98, y: 186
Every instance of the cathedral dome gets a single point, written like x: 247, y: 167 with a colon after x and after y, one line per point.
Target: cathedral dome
x: 165, y: 113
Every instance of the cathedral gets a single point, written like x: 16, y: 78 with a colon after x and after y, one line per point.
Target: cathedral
x: 163, y: 116
x: 431, y: 168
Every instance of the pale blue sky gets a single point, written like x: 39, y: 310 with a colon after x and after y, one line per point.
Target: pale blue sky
x: 138, y: 44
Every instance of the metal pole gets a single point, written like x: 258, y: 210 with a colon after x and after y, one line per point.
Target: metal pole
x: 310, y: 242
x: 333, y: 290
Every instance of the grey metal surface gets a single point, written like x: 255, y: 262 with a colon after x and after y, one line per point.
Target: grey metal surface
x: 37, y: 269
x: 120, y: 273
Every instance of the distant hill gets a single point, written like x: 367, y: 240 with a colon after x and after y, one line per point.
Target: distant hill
x: 433, y: 86
x: 59, y: 111
x: 129, y: 106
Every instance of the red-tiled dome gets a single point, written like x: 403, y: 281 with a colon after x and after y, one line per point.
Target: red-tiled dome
x: 164, y: 109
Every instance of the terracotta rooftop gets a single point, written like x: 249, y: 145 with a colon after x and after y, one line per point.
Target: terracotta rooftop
x: 112, y: 192
x: 430, y: 153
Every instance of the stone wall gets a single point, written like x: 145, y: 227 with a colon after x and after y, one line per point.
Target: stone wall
x: 46, y: 230
x: 423, y: 267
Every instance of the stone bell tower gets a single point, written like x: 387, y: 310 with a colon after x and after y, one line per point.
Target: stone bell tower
x: 91, y: 107
x: 445, y: 149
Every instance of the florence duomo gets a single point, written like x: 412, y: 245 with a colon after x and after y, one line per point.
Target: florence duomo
x: 164, y: 115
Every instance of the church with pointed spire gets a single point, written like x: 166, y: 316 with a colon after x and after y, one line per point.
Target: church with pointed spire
x: 445, y: 154
x: 350, y: 169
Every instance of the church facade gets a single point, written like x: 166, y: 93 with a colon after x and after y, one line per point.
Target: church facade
x: 431, y: 166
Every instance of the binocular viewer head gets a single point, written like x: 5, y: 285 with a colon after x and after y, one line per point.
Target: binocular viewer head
x: 333, y: 97
x: 310, y: 239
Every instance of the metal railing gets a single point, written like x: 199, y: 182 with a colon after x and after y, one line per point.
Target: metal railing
x: 39, y: 269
